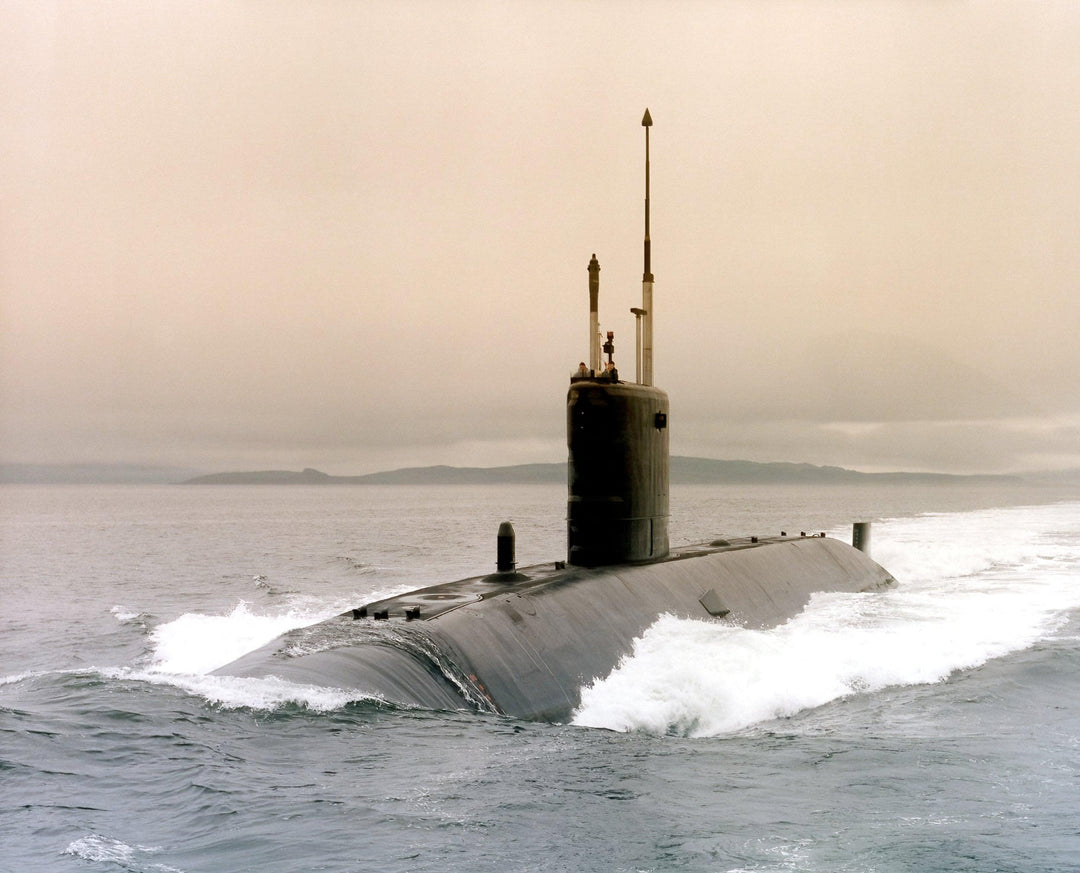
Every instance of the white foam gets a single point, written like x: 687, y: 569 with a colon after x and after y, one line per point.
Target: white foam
x: 186, y: 649
x: 974, y: 586
x: 123, y: 615
x: 98, y: 848
x: 197, y: 643
x: 237, y: 692
x: 16, y: 678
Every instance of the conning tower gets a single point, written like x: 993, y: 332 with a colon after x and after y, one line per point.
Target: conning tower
x: 617, y: 436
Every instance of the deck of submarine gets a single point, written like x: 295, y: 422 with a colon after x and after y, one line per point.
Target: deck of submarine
x: 428, y: 603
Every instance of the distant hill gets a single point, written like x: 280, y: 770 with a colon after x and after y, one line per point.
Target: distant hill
x: 439, y: 475
x: 90, y: 474
x: 684, y: 471
x: 706, y: 471
x: 1057, y: 477
x: 269, y: 477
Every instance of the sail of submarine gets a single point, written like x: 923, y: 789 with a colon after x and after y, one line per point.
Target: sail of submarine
x: 524, y: 642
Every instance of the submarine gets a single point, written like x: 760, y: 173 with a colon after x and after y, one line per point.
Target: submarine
x: 523, y: 642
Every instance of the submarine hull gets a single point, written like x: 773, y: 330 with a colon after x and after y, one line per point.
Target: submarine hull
x: 524, y: 644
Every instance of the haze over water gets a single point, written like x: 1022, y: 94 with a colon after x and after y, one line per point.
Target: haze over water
x: 354, y: 236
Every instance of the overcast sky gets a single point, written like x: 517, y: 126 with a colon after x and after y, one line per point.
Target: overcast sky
x: 354, y: 236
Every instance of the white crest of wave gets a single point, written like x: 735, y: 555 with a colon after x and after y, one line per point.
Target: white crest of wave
x: 101, y: 849
x: 974, y: 586
x: 195, y: 643
x: 16, y: 678
x: 188, y: 648
x: 123, y: 615
x: 267, y: 693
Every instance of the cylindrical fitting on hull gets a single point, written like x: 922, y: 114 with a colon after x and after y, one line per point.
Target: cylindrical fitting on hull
x: 506, y: 560
x: 617, y: 509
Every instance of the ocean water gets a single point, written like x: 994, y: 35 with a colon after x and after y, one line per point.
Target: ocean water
x: 932, y: 728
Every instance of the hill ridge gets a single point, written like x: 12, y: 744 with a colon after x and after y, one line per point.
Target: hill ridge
x: 684, y: 470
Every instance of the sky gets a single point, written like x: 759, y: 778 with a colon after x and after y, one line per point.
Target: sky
x: 354, y: 236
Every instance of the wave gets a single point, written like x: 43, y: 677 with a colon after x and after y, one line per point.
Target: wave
x: 102, y: 849
x: 197, y: 643
x: 973, y: 586
x: 185, y: 650
x: 16, y: 678
x: 266, y: 694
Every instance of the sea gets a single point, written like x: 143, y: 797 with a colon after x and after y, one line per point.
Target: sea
x: 935, y: 727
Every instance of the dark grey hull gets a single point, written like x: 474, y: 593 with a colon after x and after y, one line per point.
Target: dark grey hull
x: 524, y: 644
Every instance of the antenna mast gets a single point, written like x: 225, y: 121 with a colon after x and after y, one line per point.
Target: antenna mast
x: 594, y: 317
x: 647, y: 276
